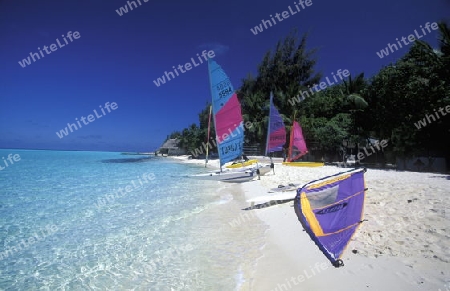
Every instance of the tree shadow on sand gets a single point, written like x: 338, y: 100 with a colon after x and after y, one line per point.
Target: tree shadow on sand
x: 444, y: 177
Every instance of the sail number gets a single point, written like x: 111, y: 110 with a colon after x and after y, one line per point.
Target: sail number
x: 224, y: 88
x: 231, y: 148
x: 223, y: 85
x: 225, y: 93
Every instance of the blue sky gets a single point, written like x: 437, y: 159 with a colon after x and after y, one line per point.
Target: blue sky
x: 116, y: 58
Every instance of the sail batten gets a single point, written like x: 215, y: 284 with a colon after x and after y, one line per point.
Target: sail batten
x: 227, y: 113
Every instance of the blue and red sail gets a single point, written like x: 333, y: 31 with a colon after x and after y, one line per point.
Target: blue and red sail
x: 331, y: 210
x: 276, y: 132
x: 227, y: 114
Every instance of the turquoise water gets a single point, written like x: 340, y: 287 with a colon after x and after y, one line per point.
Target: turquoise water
x: 65, y: 225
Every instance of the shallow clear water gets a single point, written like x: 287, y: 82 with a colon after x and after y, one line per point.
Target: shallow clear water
x: 65, y: 226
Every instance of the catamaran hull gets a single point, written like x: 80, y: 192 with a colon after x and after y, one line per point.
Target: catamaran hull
x: 242, y: 165
x: 263, y: 169
x: 303, y: 164
x: 230, y: 177
x: 242, y: 178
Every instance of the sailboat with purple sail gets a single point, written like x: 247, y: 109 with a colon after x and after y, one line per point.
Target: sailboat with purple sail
x: 276, y: 131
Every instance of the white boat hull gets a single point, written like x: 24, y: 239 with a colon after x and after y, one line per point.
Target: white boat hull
x: 263, y: 169
x: 227, y: 176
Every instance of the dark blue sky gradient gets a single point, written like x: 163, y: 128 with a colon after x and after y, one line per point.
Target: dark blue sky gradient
x: 118, y: 57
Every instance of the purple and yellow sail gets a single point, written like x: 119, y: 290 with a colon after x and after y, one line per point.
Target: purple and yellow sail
x: 331, y: 210
x: 276, y: 132
x: 227, y: 114
x: 297, y: 144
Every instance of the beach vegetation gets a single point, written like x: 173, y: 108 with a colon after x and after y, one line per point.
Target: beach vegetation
x: 194, y: 137
x: 385, y: 106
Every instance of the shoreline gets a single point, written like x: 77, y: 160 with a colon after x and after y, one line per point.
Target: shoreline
x: 403, y: 245
x: 242, y: 235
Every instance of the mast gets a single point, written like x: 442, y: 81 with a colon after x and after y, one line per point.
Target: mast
x: 268, y: 127
x: 291, y: 139
x: 212, y: 104
x: 207, y: 139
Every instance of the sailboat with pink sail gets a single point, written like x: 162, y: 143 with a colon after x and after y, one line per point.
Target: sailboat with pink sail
x: 297, y: 145
x: 297, y: 148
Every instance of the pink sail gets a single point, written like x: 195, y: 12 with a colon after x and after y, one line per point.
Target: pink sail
x: 228, y: 119
x: 297, y: 145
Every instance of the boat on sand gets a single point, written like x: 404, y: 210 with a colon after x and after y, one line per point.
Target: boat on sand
x: 229, y: 126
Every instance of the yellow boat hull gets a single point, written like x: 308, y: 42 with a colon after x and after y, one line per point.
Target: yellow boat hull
x: 240, y: 165
x: 303, y: 164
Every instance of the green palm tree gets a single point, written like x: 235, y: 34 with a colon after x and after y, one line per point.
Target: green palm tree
x: 355, y: 103
x: 443, y: 55
x: 444, y: 39
x: 352, y: 91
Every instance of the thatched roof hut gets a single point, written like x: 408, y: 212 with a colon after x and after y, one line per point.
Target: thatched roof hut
x: 170, y: 147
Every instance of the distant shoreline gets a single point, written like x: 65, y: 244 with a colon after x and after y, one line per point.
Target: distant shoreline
x: 138, y: 153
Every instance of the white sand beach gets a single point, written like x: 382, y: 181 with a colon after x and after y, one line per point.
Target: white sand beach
x: 403, y: 245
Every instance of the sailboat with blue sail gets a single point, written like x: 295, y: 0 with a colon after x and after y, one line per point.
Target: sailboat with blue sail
x: 228, y: 120
x: 229, y: 126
